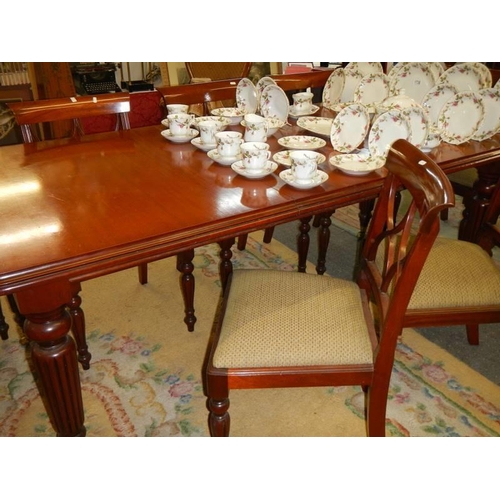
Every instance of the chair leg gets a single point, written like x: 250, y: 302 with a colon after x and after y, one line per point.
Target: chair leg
x: 444, y: 214
x: 242, y: 241
x: 472, y: 334
x: 18, y: 318
x: 4, y: 327
x: 143, y: 273
x: 218, y: 419
x: 268, y: 235
x: 78, y: 329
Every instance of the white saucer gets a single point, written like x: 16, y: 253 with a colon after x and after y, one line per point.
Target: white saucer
x: 301, y: 142
x: 293, y: 114
x: 202, y: 145
x: 179, y: 138
x: 251, y: 173
x: 283, y: 157
x: 289, y: 178
x: 214, y: 155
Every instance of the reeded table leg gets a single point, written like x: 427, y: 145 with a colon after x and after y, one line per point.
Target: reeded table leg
x: 54, y: 358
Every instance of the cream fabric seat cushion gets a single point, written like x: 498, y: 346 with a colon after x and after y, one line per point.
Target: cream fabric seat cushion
x: 285, y: 318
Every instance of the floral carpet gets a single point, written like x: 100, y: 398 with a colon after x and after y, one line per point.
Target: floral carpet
x: 145, y: 373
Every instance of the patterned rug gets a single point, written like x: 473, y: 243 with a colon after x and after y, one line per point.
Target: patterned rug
x: 145, y: 378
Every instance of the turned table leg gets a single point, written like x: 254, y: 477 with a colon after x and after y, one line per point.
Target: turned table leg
x: 303, y: 242
x: 225, y: 264
x: 323, y: 241
x: 185, y: 266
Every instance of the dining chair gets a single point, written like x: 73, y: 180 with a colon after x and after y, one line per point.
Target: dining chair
x: 278, y: 329
x: 30, y: 116
x: 218, y: 70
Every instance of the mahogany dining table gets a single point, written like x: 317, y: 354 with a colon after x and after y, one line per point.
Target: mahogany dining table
x: 76, y: 209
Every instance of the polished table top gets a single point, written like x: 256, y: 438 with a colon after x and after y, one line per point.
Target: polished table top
x: 76, y: 209
x: 70, y: 206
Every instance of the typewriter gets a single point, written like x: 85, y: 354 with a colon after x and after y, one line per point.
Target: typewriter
x: 95, y: 78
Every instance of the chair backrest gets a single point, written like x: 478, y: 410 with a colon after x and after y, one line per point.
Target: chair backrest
x: 29, y: 113
x: 401, y: 235
x: 200, y: 93
x: 218, y: 70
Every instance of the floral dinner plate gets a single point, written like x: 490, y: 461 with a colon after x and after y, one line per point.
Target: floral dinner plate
x: 333, y: 88
x: 435, y: 99
x: 413, y: 79
x: 349, y: 128
x: 419, y: 125
x: 246, y: 96
x: 460, y: 117
x: 274, y: 103
x: 386, y: 129
x: 464, y: 76
x: 490, y: 123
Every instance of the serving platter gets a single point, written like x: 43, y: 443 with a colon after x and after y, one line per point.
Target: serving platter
x: 365, y: 68
x: 316, y: 125
x: 460, y: 117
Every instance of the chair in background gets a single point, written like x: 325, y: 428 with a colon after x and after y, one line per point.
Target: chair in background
x: 32, y: 114
x: 218, y: 70
x: 283, y: 329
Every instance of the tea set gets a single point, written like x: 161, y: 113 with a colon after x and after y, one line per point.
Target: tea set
x: 247, y: 152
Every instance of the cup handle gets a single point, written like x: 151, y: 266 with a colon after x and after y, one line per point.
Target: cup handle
x: 268, y: 154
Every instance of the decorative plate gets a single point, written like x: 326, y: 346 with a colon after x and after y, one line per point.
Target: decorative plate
x: 349, y: 128
x: 333, y: 88
x: 293, y: 114
x: 289, y: 178
x: 264, y: 82
x: 221, y: 120
x: 254, y: 173
x: 365, y: 68
x: 283, y: 158
x: 497, y: 85
x: 234, y: 114
x: 202, y: 145
x: 351, y: 82
x: 214, y: 155
x: 301, y: 142
x: 435, y: 99
x: 460, y: 117
x: 386, y: 129
x: 246, y: 96
x: 317, y: 125
x: 490, y: 124
x: 484, y: 71
x: 464, y: 76
x: 437, y: 69
x: 274, y: 103
x: 419, y: 125
x: 413, y: 79
x: 372, y: 89
x: 180, y: 138
x: 356, y: 164
x: 394, y: 70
